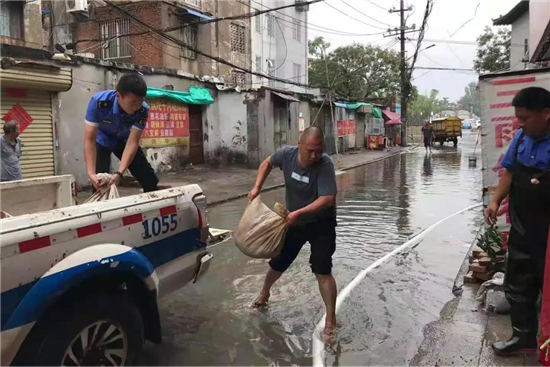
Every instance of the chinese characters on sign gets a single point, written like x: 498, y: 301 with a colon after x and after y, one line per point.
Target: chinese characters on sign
x: 168, y: 124
x: 346, y: 127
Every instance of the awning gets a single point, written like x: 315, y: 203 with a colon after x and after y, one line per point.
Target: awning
x: 391, y: 115
x: 394, y: 122
x: 286, y: 97
x: 195, y: 13
x: 196, y: 95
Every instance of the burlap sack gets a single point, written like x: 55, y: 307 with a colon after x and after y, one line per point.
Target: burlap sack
x: 104, y: 193
x: 261, y: 231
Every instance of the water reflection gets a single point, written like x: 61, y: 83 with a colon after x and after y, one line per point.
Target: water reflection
x: 379, y: 206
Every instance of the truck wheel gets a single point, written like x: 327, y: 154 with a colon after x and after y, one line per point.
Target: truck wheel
x: 103, y: 330
x: 441, y: 143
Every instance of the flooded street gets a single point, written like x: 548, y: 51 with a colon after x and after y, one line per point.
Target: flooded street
x: 385, y: 320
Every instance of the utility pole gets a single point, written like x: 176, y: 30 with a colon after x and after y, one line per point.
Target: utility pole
x: 404, y: 82
x: 403, y: 29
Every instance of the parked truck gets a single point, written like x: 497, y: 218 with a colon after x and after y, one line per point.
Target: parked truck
x: 499, y: 125
x: 447, y: 129
x: 81, y: 283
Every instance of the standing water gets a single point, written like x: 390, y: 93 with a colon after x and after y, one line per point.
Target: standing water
x: 386, y: 318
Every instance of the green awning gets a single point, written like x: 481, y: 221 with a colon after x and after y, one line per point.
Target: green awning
x: 196, y: 95
x: 377, y: 112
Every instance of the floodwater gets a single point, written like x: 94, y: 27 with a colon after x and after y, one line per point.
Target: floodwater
x: 387, y: 317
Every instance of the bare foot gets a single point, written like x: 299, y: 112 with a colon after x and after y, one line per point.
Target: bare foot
x: 330, y: 333
x: 261, y: 301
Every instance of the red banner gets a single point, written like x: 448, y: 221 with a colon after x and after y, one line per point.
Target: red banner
x: 168, y: 124
x: 346, y: 127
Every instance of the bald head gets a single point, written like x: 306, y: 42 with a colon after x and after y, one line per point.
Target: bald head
x: 312, y: 132
x: 310, y: 146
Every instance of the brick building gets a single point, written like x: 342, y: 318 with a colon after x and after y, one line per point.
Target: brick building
x: 105, y: 33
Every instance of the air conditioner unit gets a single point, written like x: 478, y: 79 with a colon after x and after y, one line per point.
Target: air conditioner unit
x: 76, y: 6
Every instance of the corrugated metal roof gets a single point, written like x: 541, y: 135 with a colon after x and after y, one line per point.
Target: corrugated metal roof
x: 513, y: 15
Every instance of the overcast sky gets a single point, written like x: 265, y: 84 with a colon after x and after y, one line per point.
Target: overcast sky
x: 445, y: 22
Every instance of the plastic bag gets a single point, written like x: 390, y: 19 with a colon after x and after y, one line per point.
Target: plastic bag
x: 105, y: 192
x: 261, y: 231
x: 492, y: 295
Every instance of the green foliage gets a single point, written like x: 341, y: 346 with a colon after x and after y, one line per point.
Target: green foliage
x: 471, y: 101
x: 356, y: 71
x: 491, y: 242
x: 493, y: 50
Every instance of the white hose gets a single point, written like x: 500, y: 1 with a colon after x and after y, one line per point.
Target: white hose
x: 318, y: 346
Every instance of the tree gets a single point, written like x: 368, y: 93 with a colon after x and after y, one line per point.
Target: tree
x: 471, y: 101
x: 422, y: 107
x: 356, y: 71
x: 493, y: 50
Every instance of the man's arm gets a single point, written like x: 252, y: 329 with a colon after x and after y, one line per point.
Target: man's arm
x: 263, y: 172
x: 90, y: 134
x: 128, y: 154
x: 503, y: 189
x: 321, y: 203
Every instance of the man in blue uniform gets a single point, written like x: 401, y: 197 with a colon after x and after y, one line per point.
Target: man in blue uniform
x: 526, y: 179
x: 115, y: 121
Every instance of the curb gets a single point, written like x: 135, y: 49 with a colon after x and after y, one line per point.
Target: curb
x: 276, y: 186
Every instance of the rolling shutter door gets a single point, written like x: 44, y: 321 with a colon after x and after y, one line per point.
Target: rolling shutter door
x: 38, y: 150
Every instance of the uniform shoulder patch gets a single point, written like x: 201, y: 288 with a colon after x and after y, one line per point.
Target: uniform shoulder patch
x: 142, y: 109
x: 104, y: 104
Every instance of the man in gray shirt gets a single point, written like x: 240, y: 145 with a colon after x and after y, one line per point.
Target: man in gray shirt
x: 10, y: 147
x: 310, y: 183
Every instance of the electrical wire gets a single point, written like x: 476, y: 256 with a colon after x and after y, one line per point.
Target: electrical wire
x: 349, y: 16
x: 286, y: 47
x: 365, y: 15
x: 375, y: 4
x: 218, y: 59
x: 468, y: 21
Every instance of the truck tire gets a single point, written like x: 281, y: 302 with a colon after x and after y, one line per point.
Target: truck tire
x: 105, y: 329
x: 441, y: 142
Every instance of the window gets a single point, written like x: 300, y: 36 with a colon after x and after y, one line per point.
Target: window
x: 114, y: 46
x: 271, y: 71
x: 196, y: 3
x: 258, y: 24
x: 270, y: 25
x: 297, y: 72
x: 258, y: 64
x: 297, y: 30
x: 11, y: 19
x: 189, y: 35
x: 239, y: 78
x: 376, y: 126
x: 238, y: 38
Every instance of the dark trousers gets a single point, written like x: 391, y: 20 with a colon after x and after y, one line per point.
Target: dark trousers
x: 139, y: 168
x: 524, y: 280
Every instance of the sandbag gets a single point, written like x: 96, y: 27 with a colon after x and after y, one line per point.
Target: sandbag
x: 261, y: 231
x: 105, y: 192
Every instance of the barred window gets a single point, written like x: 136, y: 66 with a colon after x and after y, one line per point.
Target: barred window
x: 258, y: 64
x: 238, y: 38
x: 196, y: 3
x: 189, y: 36
x: 270, y: 25
x: 297, y: 30
x: 239, y: 78
x: 297, y: 72
x: 258, y: 24
x: 114, y: 45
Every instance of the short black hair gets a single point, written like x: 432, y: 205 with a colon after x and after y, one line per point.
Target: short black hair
x: 132, y: 83
x: 313, y: 131
x: 532, y: 98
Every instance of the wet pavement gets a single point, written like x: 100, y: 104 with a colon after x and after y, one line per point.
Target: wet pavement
x: 387, y: 319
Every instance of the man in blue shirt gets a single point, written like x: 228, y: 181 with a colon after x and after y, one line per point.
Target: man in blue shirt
x: 115, y: 121
x: 526, y: 178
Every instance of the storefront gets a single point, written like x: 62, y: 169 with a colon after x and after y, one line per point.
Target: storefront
x: 27, y: 93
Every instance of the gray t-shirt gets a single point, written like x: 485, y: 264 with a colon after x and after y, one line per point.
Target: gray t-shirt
x: 305, y: 185
x: 10, y: 169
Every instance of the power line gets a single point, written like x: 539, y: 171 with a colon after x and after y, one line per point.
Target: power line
x: 365, y: 15
x: 375, y: 4
x: 448, y: 69
x: 218, y: 59
x: 349, y: 16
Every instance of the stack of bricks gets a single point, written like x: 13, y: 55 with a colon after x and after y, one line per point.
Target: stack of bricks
x: 480, y: 267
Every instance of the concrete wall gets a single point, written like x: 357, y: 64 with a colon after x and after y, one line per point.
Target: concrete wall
x: 69, y: 112
x: 539, y: 20
x: 520, y: 33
